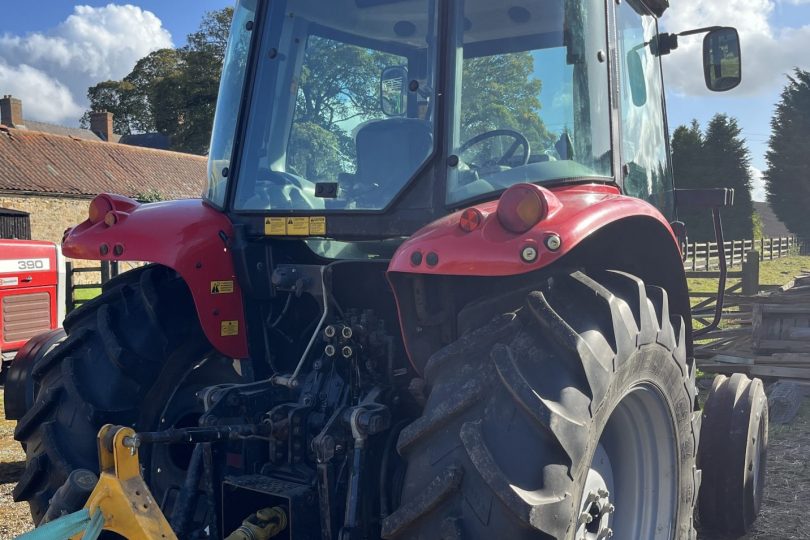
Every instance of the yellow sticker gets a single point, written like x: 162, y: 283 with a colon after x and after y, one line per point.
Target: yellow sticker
x: 229, y: 328
x: 295, y: 226
x: 221, y: 287
x: 298, y: 226
x: 275, y: 226
x: 317, y: 226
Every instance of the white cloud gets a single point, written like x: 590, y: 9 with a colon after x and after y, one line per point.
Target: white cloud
x: 768, y: 52
x: 757, y: 185
x: 53, y: 100
x: 91, y: 45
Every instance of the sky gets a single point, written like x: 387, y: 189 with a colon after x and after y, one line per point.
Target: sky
x: 51, y: 51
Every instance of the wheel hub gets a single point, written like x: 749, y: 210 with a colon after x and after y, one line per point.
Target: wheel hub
x: 596, y: 508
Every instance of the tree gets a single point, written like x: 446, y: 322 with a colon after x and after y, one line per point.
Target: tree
x: 716, y: 158
x: 500, y: 91
x: 172, y: 91
x: 727, y: 163
x: 787, y: 178
x: 186, y: 100
x: 687, y: 156
x: 338, y: 88
x: 115, y: 97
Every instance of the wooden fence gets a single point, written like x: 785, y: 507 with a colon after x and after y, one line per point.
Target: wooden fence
x: 106, y: 271
x: 704, y: 256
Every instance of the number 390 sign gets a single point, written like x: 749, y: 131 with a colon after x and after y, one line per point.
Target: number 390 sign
x: 10, y: 266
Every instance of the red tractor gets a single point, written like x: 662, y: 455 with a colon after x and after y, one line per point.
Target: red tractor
x: 412, y: 303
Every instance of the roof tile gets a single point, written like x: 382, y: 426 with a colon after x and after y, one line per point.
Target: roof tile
x: 49, y: 163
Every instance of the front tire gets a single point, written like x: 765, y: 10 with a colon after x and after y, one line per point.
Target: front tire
x: 128, y: 359
x: 570, y: 418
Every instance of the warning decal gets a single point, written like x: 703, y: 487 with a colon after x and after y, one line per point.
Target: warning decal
x: 317, y: 226
x: 229, y: 328
x: 298, y: 226
x: 221, y: 287
x: 295, y: 226
x: 275, y: 226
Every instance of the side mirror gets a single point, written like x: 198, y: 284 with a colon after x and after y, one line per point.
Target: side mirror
x: 722, y: 63
x: 394, y: 91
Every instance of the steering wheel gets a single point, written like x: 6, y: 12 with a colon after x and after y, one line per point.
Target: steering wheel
x: 520, y: 141
x: 276, y: 190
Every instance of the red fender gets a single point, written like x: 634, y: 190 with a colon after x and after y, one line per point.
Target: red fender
x: 443, y: 248
x: 187, y: 236
x: 575, y: 213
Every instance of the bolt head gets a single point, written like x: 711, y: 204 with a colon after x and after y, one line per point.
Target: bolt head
x: 553, y: 242
x: 529, y: 254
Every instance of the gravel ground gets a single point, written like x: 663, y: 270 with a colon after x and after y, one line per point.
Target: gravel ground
x: 14, y: 518
x: 787, y: 492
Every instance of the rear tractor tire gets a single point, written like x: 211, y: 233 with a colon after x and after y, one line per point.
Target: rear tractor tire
x: 134, y: 356
x: 572, y: 418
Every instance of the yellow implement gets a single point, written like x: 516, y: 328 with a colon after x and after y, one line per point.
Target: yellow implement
x: 125, y: 502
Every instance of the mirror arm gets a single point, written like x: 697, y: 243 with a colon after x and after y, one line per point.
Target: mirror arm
x: 665, y: 43
x: 704, y: 30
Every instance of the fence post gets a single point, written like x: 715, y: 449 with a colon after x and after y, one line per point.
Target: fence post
x: 105, y: 272
x: 750, y: 274
x: 693, y: 252
x: 70, y: 305
x: 708, y: 254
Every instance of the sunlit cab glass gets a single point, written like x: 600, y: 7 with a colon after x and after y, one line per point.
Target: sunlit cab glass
x: 230, y: 94
x: 647, y: 173
x: 533, y: 96
x: 331, y: 125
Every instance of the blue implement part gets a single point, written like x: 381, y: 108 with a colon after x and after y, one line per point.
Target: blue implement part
x: 64, y: 527
x: 94, y: 527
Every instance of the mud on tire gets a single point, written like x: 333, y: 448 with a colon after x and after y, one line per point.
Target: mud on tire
x: 124, y: 354
x: 517, y: 408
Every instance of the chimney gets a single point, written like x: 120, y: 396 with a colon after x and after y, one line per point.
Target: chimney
x: 11, y: 112
x: 101, y: 123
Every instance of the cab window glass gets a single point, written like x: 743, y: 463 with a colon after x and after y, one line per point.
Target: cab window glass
x: 646, y: 170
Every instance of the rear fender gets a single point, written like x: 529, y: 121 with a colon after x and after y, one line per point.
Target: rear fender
x: 597, y: 227
x: 187, y: 236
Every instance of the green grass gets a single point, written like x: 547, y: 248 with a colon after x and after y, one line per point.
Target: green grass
x: 776, y: 272
x: 82, y: 295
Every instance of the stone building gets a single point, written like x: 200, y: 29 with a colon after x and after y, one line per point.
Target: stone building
x: 51, y: 172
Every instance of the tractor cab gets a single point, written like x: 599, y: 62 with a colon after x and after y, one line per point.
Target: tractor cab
x: 413, y: 108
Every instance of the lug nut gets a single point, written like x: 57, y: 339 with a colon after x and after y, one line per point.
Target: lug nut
x: 608, y: 509
x: 347, y: 352
x: 603, y: 493
x: 604, y: 534
x: 584, y: 518
x: 346, y: 332
x: 329, y: 350
x: 329, y: 331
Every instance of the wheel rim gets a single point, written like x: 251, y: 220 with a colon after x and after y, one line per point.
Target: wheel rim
x: 168, y: 463
x: 631, y: 490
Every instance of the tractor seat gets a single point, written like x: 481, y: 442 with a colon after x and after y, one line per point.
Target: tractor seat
x: 388, y: 153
